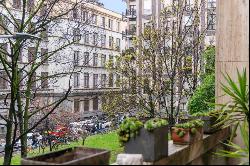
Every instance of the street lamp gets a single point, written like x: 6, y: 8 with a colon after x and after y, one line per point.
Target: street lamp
x: 20, y: 35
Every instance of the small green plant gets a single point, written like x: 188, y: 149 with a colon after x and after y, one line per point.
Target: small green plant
x: 152, y: 124
x: 189, y: 125
x: 237, y: 112
x: 214, y: 113
x: 131, y: 126
x: 129, y: 129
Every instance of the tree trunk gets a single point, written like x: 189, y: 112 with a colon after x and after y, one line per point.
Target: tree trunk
x: 171, y: 117
x: 9, y: 147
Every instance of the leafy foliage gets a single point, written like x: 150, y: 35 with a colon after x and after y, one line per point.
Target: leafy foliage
x: 213, y: 113
x: 237, y: 111
x: 209, y: 57
x: 240, y: 152
x: 129, y: 129
x: 191, y: 124
x: 203, y: 96
x: 152, y: 124
x: 131, y: 126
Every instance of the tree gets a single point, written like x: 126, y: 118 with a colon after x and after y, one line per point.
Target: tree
x: 38, y: 18
x: 204, y: 95
x: 162, y: 71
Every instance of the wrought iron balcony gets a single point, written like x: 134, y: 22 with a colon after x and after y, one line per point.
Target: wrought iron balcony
x: 129, y: 33
x: 130, y: 13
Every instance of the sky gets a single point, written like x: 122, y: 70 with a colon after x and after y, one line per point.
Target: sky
x: 115, y: 5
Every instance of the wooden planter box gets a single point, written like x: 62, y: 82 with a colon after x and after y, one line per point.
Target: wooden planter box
x: 71, y: 156
x: 152, y: 145
x: 188, y: 138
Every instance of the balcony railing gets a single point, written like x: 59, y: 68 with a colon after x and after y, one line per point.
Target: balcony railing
x: 129, y: 33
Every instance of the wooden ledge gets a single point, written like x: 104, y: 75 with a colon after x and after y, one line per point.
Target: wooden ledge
x: 184, y: 154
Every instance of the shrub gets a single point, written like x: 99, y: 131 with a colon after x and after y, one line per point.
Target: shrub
x: 203, y: 96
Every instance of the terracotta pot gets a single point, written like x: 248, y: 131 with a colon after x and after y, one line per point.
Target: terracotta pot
x: 188, y: 138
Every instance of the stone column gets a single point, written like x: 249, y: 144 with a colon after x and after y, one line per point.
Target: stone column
x: 232, y: 41
x: 232, y: 46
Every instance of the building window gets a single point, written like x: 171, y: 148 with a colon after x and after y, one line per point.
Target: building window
x: 118, y: 44
x: 95, y: 104
x: 103, y: 22
x: 86, y: 38
x: 31, y: 54
x: 76, y: 58
x: 3, y: 23
x: 104, y: 101
x: 103, y: 80
x: 95, y: 39
x: 44, y: 56
x: 118, y: 61
x: 86, y: 59
x: 103, y: 60
x: 110, y: 24
x: 75, y: 13
x: 85, y: 16
x: 211, y: 21
x: 111, y: 42
x: 95, y: 60
x: 86, y: 105
x: 147, y: 7
x: 103, y: 40
x: 30, y: 5
x: 76, y: 35
x: 76, y: 105
x: 118, y: 80
x: 111, y: 60
x: 2, y: 130
x: 44, y: 79
x: 76, y: 80
x: 95, y: 81
x: 43, y: 10
x: 3, y: 80
x: 44, y: 33
x: 86, y: 80
x: 20, y: 55
x: 94, y: 19
x: 4, y: 50
x: 21, y: 78
x: 33, y: 81
x: 211, y: 4
x: 118, y: 26
x: 111, y: 80
x: 17, y: 4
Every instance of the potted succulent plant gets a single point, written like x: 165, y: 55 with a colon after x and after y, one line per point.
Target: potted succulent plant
x: 149, y: 139
x: 187, y: 133
x: 211, y: 120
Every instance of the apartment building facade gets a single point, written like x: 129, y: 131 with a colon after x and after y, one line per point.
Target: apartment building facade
x: 103, y: 44
x: 97, y: 35
x: 141, y: 12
